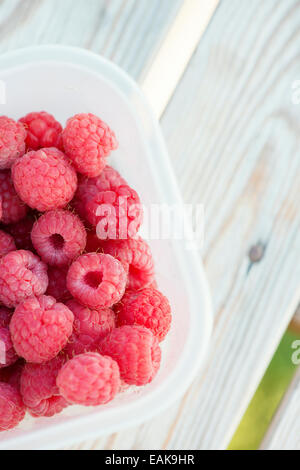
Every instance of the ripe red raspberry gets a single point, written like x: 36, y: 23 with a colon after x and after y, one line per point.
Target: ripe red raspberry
x: 58, y: 237
x: 40, y: 328
x: 57, y: 286
x: 88, y: 188
x: 146, y: 307
x: 90, y: 327
x: 21, y: 232
x: 42, y: 130
x: 13, y: 209
x: 97, y: 280
x: 44, y: 180
x: 87, y: 142
x: 116, y: 214
x: 12, y: 409
x: 22, y: 274
x: 89, y: 379
x: 5, y: 317
x: 7, y: 243
x: 8, y: 355
x: 137, y: 352
x: 12, y: 141
x: 39, y: 390
x: 136, y: 254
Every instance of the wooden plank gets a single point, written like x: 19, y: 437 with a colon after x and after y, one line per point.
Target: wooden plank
x: 241, y: 134
x: 126, y: 31
x: 241, y: 161
x: 284, y: 433
x: 233, y: 134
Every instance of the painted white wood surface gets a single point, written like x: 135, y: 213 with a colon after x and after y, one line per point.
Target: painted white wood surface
x: 233, y: 135
x: 284, y: 432
x: 240, y: 158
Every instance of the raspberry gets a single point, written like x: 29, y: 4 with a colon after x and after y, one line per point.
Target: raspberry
x: 12, y: 141
x: 57, y: 286
x: 90, y: 327
x: 7, y: 243
x: 97, y: 280
x: 40, y: 328
x: 146, y: 307
x: 49, y: 408
x: 42, y: 130
x: 13, y: 209
x: 12, y: 410
x: 89, y: 379
x: 22, y: 274
x: 87, y: 142
x: 58, y: 237
x: 136, y: 254
x: 7, y: 353
x: 5, y: 317
x: 137, y: 352
x: 44, y: 179
x: 88, y: 188
x: 108, y: 180
x: 116, y: 214
x: 39, y: 390
x: 21, y: 232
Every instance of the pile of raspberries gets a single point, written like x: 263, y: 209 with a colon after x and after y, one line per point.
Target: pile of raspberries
x: 81, y: 318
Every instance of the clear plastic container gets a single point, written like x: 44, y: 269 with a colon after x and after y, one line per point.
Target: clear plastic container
x: 65, y: 81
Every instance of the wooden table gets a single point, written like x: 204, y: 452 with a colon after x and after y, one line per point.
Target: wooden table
x: 230, y: 115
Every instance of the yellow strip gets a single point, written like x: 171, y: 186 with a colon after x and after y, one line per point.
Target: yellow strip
x: 165, y: 71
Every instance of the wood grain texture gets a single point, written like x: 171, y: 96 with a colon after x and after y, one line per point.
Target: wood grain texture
x: 233, y: 135
x: 241, y: 159
x: 284, y: 433
x: 126, y: 31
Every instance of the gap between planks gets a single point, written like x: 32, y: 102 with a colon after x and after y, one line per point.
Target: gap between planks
x: 160, y: 80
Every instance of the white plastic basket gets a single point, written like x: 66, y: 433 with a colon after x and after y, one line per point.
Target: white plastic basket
x: 65, y: 81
